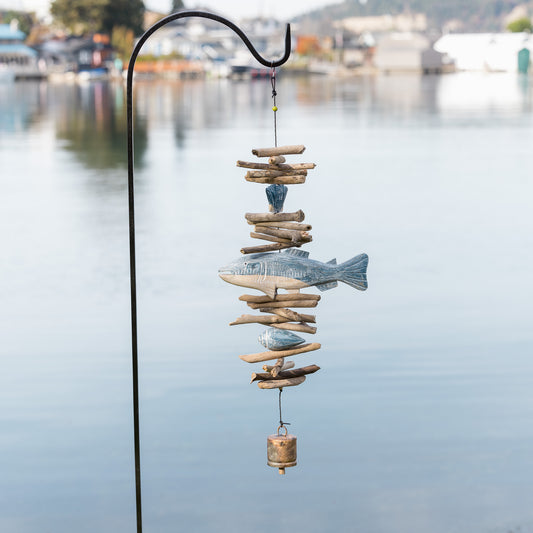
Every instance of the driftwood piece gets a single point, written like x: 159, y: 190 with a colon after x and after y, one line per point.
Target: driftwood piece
x: 257, y: 218
x: 292, y: 234
x: 297, y: 372
x: 287, y: 366
x: 279, y: 150
x: 267, y: 248
x: 277, y: 367
x: 285, y: 303
x: 263, y: 299
x: 270, y: 238
x: 280, y: 383
x: 281, y: 180
x: 277, y: 160
x: 259, y: 319
x: 265, y: 166
x: 275, y: 355
x: 293, y: 316
x: 274, y: 173
x: 304, y: 328
x: 283, y: 225
x: 298, y: 166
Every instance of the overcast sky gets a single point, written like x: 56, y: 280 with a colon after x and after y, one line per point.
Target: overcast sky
x: 232, y: 9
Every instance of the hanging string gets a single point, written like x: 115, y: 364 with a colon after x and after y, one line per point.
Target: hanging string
x: 274, y: 106
x: 281, y: 423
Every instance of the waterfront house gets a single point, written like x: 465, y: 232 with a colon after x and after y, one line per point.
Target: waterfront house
x: 77, y: 54
x: 407, y: 52
x: 17, y: 61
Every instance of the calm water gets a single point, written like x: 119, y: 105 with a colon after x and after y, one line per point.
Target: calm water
x: 420, y: 419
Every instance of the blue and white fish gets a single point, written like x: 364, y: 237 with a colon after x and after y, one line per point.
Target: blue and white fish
x: 292, y: 269
x: 279, y: 339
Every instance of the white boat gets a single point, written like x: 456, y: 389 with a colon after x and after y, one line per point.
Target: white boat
x: 17, y: 61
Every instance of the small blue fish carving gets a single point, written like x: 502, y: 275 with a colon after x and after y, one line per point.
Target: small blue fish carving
x: 276, y: 195
x: 278, y: 339
x: 292, y: 269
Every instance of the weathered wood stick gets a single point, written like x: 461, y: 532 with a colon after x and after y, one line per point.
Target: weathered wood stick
x: 293, y: 316
x: 281, y: 180
x: 275, y: 355
x: 259, y: 319
x: 293, y: 235
x: 297, y: 166
x: 280, y: 383
x: 267, y: 248
x: 263, y: 299
x: 277, y: 160
x: 274, y: 173
x: 286, y: 366
x: 304, y: 328
x: 277, y: 367
x: 284, y: 225
x: 270, y: 238
x: 286, y: 303
x: 264, y: 166
x: 297, y: 372
x: 279, y: 150
x: 257, y: 218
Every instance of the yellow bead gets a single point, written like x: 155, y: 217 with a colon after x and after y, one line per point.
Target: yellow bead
x: 274, y: 108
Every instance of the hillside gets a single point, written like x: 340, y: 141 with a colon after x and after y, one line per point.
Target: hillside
x: 476, y: 15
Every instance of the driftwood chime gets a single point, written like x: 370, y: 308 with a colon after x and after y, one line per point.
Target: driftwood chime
x: 280, y: 270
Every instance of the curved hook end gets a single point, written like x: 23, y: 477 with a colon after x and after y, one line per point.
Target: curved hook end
x: 288, y: 42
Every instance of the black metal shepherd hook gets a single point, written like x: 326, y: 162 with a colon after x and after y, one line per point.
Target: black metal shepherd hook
x: 131, y: 201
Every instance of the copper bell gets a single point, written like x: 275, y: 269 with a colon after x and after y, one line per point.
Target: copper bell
x: 281, y: 450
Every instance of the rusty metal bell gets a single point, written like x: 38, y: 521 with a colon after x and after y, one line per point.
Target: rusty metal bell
x: 281, y: 450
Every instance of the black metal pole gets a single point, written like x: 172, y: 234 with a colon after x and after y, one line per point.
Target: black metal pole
x: 131, y: 204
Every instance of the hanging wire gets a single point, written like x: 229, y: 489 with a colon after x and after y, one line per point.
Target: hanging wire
x: 274, y: 106
x: 281, y: 423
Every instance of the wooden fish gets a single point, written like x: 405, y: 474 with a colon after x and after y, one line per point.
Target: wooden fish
x: 292, y: 269
x: 276, y: 339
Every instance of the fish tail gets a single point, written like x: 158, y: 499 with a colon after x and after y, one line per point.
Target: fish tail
x: 353, y: 272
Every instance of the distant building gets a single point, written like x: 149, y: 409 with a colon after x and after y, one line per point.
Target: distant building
x: 407, y: 52
x: 16, y: 59
x: 406, y: 22
x: 493, y: 52
x: 218, y: 47
x: 77, y: 54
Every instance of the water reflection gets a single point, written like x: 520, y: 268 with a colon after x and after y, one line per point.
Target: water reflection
x: 22, y: 105
x: 425, y: 381
x: 91, y: 118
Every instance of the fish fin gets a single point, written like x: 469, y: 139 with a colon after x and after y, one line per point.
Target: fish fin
x: 332, y: 262
x: 353, y: 272
x: 327, y: 286
x: 296, y: 252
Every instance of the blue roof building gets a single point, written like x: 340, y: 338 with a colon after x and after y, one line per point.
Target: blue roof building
x: 16, y: 59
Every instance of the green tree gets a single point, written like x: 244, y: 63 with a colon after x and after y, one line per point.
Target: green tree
x: 79, y: 16
x: 122, y: 40
x: 93, y: 16
x: 520, y: 25
x: 25, y: 20
x: 127, y: 13
x: 177, y: 5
